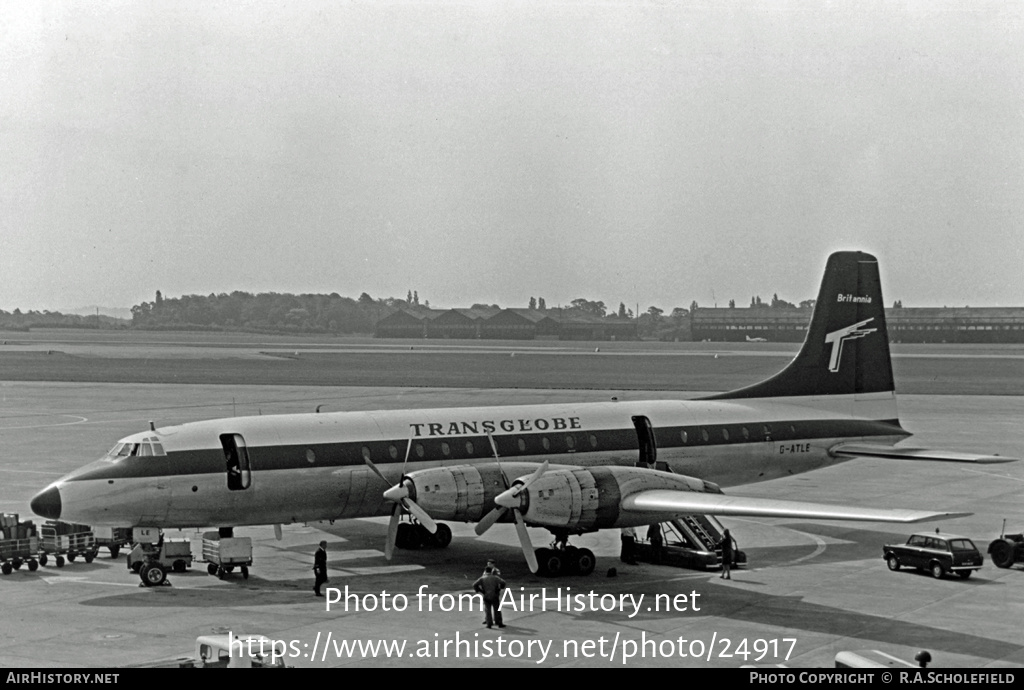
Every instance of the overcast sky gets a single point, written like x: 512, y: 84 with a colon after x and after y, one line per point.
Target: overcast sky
x: 651, y: 153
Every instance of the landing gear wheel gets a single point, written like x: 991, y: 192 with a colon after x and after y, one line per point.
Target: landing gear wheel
x: 6, y: 568
x: 1002, y: 553
x: 211, y: 568
x: 964, y: 574
x: 403, y: 537
x: 245, y: 572
x: 585, y: 561
x: 43, y: 559
x: 443, y: 536
x: 33, y: 565
x: 153, y: 575
x: 937, y: 570
x: 892, y: 562
x: 550, y: 562
x: 114, y: 551
x: 179, y: 566
x: 60, y: 561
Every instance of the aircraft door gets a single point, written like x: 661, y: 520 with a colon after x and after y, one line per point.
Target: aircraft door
x: 238, y: 465
x: 645, y: 436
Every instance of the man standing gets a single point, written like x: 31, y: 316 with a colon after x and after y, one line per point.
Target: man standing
x: 726, y: 546
x: 490, y: 586
x: 628, y: 536
x: 320, y: 567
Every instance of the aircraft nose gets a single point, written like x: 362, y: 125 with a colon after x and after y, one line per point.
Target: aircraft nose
x: 46, y: 503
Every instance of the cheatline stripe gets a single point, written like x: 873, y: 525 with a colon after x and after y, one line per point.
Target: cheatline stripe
x: 477, y: 448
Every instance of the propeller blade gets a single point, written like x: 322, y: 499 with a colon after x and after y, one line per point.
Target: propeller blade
x: 487, y: 521
x: 535, y: 476
x: 420, y: 515
x: 389, y: 544
x: 494, y: 448
x: 373, y: 467
x: 524, y: 541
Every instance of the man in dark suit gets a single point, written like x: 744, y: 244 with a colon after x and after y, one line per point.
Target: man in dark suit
x: 491, y: 586
x: 320, y: 567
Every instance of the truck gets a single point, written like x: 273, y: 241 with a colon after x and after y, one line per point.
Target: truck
x: 226, y: 651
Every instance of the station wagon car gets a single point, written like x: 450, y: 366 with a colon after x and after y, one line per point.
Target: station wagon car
x: 938, y: 553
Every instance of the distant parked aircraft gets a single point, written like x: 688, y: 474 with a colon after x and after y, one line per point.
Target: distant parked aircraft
x: 756, y: 340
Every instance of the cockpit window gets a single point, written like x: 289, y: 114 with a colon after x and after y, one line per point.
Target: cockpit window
x: 147, y: 448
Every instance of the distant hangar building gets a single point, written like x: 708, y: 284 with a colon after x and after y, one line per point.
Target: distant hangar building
x: 906, y: 325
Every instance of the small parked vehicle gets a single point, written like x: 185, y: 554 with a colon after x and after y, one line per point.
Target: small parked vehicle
x: 938, y: 553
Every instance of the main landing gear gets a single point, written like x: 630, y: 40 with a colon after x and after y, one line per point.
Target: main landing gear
x: 561, y: 558
x: 413, y: 535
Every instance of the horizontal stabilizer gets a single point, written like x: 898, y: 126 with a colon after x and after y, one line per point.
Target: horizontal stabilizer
x: 866, y: 450
x: 693, y: 503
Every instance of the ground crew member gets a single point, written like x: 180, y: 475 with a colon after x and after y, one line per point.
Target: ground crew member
x: 657, y: 543
x: 726, y: 546
x: 490, y: 586
x: 628, y: 537
x: 320, y: 567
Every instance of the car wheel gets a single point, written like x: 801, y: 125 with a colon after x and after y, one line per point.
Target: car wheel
x: 893, y: 562
x: 937, y: 570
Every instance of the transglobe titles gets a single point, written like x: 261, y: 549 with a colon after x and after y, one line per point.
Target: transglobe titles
x: 488, y: 426
x: 534, y: 601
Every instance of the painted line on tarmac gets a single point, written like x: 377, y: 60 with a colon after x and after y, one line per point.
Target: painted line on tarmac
x: 819, y: 549
x: 56, y: 474
x: 990, y: 474
x: 78, y: 420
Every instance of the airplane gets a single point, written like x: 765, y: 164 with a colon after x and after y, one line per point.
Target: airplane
x: 756, y: 340
x: 570, y: 468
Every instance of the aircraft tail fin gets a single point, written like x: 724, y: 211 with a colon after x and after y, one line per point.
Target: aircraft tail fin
x: 846, y: 351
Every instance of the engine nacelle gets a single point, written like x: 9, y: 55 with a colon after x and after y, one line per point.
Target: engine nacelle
x: 461, y: 492
x: 589, y: 499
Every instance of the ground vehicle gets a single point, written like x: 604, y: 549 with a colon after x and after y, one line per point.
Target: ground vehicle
x: 62, y: 539
x: 939, y: 553
x: 114, y: 538
x: 152, y: 556
x: 171, y: 554
x: 223, y: 554
x: 689, y: 542
x: 1007, y: 550
x: 226, y: 651
x: 19, y: 544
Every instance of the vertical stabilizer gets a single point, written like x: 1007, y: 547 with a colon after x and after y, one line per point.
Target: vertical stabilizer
x: 846, y: 351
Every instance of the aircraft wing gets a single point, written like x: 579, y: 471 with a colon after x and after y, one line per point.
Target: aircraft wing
x: 695, y: 503
x: 866, y: 450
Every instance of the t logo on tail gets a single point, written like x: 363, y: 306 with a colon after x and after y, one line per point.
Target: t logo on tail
x: 837, y: 338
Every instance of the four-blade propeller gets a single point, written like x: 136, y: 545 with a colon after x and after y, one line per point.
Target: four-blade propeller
x: 399, y: 494
x: 509, y: 500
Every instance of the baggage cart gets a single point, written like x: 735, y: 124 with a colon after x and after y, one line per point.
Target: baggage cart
x: 15, y: 552
x: 224, y: 554
x: 62, y: 539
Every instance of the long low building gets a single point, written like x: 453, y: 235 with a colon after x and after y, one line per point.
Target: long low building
x: 907, y: 324
x: 504, y: 324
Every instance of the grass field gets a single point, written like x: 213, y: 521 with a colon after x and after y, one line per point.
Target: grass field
x: 244, y: 359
